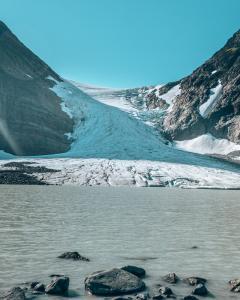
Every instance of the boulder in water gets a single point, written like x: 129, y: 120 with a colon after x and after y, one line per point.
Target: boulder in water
x: 58, y: 286
x: 171, y: 278
x: 113, y: 282
x: 73, y: 256
x: 235, y: 285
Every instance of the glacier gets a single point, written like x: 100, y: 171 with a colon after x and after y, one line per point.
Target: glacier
x: 112, y: 146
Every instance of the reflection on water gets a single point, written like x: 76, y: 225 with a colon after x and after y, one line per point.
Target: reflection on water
x: 153, y: 228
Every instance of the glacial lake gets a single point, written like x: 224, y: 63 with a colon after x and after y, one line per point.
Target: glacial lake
x: 154, y: 228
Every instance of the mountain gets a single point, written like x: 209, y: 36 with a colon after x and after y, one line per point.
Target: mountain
x: 209, y: 101
x: 31, y: 119
x: 199, y: 113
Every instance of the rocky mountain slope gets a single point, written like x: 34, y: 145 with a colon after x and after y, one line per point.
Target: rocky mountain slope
x: 32, y: 121
x: 209, y: 101
x: 200, y: 113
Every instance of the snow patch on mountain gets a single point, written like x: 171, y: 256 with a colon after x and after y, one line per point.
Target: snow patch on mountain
x: 171, y: 95
x: 207, y: 144
x: 207, y: 106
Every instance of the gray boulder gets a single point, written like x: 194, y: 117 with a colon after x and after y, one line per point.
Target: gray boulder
x: 113, y: 282
x: 58, y: 286
x: 15, y: 293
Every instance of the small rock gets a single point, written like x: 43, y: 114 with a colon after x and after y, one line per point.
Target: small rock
x: 165, y: 291
x: 235, y: 285
x: 15, y: 293
x: 74, y: 256
x: 139, y: 272
x: 193, y: 247
x: 200, y: 290
x: 190, y: 298
x: 171, y: 278
x: 58, y: 286
x: 113, y: 282
x: 39, y: 288
x: 195, y: 280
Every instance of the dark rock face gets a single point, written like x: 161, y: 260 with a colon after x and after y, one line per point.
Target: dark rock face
x: 139, y: 272
x: 200, y: 290
x: 73, y: 256
x: 171, y: 278
x: 15, y: 293
x: 31, y: 119
x: 58, y: 286
x: 223, y: 119
x: 113, y: 282
x: 195, y: 280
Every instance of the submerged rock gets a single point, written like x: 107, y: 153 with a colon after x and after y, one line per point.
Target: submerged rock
x: 113, y: 282
x: 74, y: 256
x: 195, y: 280
x: 171, y: 278
x: 200, y: 290
x: 139, y: 272
x: 58, y: 286
x: 15, y: 293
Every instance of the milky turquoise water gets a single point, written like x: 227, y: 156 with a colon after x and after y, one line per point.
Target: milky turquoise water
x: 150, y: 227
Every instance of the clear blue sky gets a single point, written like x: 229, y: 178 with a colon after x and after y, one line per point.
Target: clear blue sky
x: 123, y: 43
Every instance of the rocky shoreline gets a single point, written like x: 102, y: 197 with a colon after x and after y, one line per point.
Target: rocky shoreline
x: 23, y: 173
x: 126, y: 283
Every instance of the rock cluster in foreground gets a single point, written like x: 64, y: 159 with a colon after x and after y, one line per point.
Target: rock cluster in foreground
x: 124, y: 283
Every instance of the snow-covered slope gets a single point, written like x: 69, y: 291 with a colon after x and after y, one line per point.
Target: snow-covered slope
x: 208, y: 144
